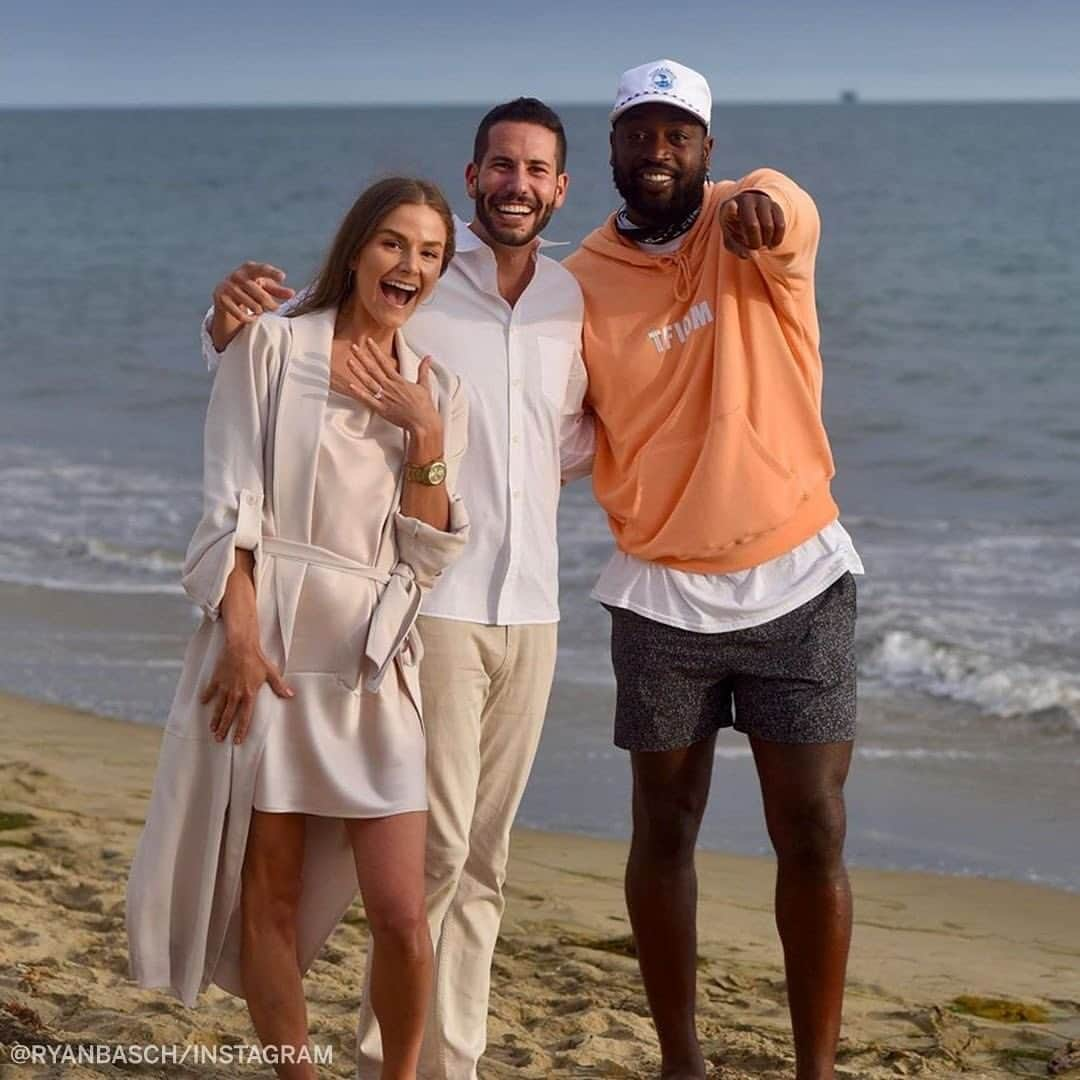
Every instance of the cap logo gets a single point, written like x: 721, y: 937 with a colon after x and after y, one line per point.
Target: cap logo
x: 662, y: 78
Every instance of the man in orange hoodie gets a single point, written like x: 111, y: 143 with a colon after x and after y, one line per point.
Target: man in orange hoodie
x: 730, y: 591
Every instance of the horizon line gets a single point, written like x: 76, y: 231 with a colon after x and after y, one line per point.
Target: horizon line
x: 836, y: 100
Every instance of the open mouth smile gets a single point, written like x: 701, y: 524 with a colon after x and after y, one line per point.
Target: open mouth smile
x: 513, y: 211
x: 397, y: 292
x: 655, y: 179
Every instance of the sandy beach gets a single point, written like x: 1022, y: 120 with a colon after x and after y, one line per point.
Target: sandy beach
x: 928, y: 951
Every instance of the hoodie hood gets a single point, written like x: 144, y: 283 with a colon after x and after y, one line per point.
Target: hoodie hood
x: 609, y: 244
x: 685, y: 262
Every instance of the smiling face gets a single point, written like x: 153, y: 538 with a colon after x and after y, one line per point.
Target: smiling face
x: 400, y: 265
x: 517, y: 186
x: 659, y: 161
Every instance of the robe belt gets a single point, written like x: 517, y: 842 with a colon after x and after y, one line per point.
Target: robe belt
x: 392, y: 627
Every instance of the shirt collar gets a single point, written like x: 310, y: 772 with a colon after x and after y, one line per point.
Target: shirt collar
x: 466, y: 240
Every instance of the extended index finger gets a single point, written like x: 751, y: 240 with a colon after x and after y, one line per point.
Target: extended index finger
x: 729, y: 210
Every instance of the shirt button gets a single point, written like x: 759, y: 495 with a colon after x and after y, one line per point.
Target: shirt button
x: 515, y: 382
x: 249, y: 498
x: 515, y: 441
x: 517, y: 493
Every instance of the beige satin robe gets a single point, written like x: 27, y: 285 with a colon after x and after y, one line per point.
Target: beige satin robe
x: 260, y: 459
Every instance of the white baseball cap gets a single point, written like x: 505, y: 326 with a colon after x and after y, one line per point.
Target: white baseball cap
x: 667, y: 81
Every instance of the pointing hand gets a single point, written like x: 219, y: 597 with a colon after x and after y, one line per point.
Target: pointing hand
x: 751, y: 221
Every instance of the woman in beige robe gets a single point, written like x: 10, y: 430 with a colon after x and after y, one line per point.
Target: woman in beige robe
x: 292, y: 766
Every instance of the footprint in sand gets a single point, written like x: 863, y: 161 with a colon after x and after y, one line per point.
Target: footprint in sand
x: 51, y: 839
x: 79, y: 898
x: 161, y: 1005
x: 331, y: 954
x: 29, y: 872
x: 596, y: 1056
x: 103, y: 959
x: 572, y: 1005
x: 515, y: 1056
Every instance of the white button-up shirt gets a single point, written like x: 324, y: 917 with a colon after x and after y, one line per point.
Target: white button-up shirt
x: 525, y: 379
x: 523, y: 372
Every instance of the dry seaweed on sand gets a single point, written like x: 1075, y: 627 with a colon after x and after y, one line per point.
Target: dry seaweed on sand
x: 1004, y: 1010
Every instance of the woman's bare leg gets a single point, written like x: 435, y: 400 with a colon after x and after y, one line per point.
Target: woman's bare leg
x: 269, y: 895
x: 389, y: 855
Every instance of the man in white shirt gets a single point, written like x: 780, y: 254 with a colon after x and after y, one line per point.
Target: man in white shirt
x: 508, y: 320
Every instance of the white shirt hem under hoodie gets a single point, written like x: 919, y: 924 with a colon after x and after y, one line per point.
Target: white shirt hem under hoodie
x: 721, y: 603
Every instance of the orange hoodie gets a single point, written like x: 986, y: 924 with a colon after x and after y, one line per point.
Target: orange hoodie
x: 705, y: 377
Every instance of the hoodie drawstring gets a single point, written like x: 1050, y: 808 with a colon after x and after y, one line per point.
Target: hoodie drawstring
x: 684, y: 283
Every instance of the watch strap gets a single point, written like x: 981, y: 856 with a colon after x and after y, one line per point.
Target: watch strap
x: 432, y: 474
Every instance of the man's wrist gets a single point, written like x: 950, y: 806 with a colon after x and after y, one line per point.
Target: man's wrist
x: 219, y: 332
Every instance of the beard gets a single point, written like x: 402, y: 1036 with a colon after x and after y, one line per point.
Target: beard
x: 542, y: 213
x: 661, y: 209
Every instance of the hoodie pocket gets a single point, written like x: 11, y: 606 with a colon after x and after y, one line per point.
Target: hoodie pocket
x: 702, y: 496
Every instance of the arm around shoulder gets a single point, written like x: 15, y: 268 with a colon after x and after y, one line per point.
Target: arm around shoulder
x: 577, y: 425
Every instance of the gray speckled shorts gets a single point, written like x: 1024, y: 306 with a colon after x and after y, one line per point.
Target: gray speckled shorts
x: 791, y: 680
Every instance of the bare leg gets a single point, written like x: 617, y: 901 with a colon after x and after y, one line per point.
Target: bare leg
x: 671, y: 789
x: 269, y: 894
x: 389, y: 855
x: 802, y: 786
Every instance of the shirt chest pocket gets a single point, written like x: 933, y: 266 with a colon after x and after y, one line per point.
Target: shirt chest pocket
x: 555, y: 359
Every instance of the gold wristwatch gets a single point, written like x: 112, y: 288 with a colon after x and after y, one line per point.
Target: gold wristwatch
x: 432, y: 474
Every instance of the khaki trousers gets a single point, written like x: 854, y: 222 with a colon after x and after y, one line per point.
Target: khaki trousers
x: 485, y: 692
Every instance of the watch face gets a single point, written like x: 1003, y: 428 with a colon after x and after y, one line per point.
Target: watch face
x: 436, y: 473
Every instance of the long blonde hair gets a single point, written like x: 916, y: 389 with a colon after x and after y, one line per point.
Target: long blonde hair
x: 333, y: 284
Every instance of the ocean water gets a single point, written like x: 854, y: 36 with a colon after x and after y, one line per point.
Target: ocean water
x: 947, y: 290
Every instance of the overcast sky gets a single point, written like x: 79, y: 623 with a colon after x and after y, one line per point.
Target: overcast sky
x: 126, y: 52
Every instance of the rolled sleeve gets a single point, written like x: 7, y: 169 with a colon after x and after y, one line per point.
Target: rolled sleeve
x: 249, y: 520
x: 429, y: 551
x: 211, y: 357
x: 212, y: 553
x: 233, y: 462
